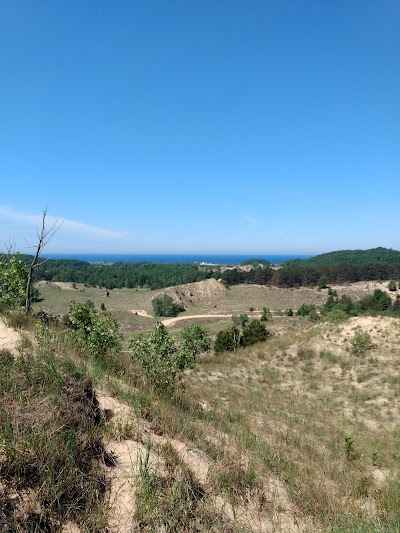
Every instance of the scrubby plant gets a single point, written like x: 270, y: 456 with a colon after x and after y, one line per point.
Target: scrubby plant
x: 165, y: 306
x: 161, y: 358
x: 227, y: 340
x: 378, y: 301
x: 392, y: 286
x: 98, y: 332
x: 337, y: 315
x: 306, y: 309
x: 289, y: 312
x: 241, y: 320
x: 254, y: 332
x: 266, y: 314
x: 196, y: 338
x: 361, y: 343
x: 13, y: 279
x: 349, y: 448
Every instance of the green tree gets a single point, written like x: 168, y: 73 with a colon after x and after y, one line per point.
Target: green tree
x: 322, y: 282
x: 165, y: 306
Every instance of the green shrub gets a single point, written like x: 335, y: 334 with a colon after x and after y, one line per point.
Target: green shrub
x: 13, y: 280
x: 98, y: 332
x: 392, y: 286
x: 165, y: 306
x: 378, y: 301
x: 241, y: 320
x: 254, y: 332
x: 227, y: 340
x: 337, y: 315
x: 196, y: 338
x: 161, y: 358
x: 306, y: 309
x: 266, y: 314
x: 361, y: 343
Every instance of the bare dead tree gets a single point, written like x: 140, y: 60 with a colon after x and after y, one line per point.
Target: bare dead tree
x: 44, y: 235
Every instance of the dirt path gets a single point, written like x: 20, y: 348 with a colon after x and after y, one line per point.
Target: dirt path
x: 175, y: 319
x: 9, y: 338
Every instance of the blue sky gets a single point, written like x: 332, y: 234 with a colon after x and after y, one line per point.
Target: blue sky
x: 201, y: 126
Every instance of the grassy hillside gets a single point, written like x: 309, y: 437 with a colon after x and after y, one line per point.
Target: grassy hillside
x: 295, y: 434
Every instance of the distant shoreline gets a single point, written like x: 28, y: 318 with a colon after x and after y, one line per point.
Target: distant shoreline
x: 201, y: 259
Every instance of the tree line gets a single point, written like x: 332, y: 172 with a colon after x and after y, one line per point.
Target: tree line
x: 160, y: 275
x: 122, y: 274
x: 297, y: 275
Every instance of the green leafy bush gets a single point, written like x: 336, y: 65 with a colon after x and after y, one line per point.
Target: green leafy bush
x: 97, y: 331
x: 227, y: 340
x: 337, y: 315
x: 361, y: 343
x: 13, y: 279
x: 161, y: 358
x: 196, y: 338
x: 165, y: 306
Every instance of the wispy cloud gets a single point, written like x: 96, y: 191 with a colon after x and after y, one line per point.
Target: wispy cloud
x: 249, y: 219
x: 10, y: 216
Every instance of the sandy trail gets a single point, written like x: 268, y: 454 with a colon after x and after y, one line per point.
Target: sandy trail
x: 9, y: 338
x: 175, y: 319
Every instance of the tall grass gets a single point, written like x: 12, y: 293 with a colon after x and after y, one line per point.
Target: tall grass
x: 51, y: 446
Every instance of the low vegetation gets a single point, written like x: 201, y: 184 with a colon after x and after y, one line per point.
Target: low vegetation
x: 165, y: 306
x: 50, y: 446
x: 229, y: 427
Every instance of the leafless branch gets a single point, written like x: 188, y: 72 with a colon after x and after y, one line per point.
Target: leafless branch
x: 44, y: 235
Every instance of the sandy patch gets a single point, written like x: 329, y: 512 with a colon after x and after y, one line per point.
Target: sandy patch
x: 9, y: 338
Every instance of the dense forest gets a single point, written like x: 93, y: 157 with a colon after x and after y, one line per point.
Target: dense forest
x: 350, y: 257
x: 119, y: 275
x: 337, y: 267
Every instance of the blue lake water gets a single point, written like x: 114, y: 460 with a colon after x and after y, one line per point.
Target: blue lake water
x: 219, y: 259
